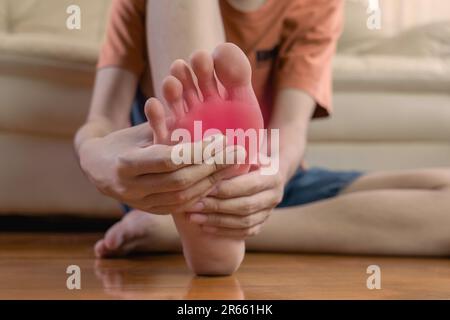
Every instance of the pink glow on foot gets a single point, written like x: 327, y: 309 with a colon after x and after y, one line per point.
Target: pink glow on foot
x: 223, y: 115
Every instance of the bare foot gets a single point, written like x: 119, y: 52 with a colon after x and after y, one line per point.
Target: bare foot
x: 227, y: 102
x: 139, y: 231
x: 233, y: 99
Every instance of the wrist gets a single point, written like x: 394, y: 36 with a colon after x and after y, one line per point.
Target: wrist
x: 91, y: 130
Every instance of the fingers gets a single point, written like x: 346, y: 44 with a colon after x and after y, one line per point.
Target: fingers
x: 178, y: 180
x: 233, y: 233
x: 141, y: 132
x: 229, y: 221
x: 175, y: 201
x: 244, y: 185
x: 153, y: 159
x: 166, y: 209
x: 182, y: 197
x: 242, y: 205
x: 159, y: 158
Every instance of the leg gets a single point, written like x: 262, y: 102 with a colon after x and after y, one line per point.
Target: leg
x: 403, y: 213
x: 428, y: 179
x: 139, y: 231
x: 175, y: 30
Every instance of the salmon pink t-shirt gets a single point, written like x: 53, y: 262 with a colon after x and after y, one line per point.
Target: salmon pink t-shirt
x: 290, y: 44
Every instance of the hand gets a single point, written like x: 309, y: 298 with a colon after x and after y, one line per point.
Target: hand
x: 127, y: 166
x: 239, y: 207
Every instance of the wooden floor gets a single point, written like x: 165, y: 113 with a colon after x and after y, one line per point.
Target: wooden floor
x: 33, y: 266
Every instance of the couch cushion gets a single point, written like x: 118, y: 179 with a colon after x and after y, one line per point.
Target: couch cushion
x: 385, y: 117
x: 431, y: 40
x: 378, y: 156
x: 2, y: 16
x: 51, y: 47
x: 40, y: 175
x: 43, y: 96
x: 391, y: 73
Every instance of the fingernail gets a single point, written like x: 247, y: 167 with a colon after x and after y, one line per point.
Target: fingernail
x: 199, y: 206
x: 198, y: 218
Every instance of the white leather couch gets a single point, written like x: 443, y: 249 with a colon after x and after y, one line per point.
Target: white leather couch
x: 392, y: 98
x: 392, y: 103
x: 46, y: 76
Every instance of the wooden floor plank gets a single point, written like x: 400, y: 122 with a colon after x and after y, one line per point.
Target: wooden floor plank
x: 33, y: 266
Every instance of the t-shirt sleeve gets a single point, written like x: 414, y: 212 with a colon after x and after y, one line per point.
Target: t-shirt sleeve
x: 125, y: 41
x: 310, y: 33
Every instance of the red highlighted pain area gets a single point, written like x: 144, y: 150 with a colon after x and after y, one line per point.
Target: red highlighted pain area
x: 241, y: 123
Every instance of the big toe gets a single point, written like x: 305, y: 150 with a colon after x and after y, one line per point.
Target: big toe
x: 232, y: 67
x: 115, y: 239
x: 100, y: 249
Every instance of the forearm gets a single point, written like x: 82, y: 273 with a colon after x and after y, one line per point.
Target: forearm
x: 292, y: 113
x: 110, y: 106
x: 176, y: 29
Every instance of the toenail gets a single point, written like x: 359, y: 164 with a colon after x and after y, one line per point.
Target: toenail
x: 198, y: 218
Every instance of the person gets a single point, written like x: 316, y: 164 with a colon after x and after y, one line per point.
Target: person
x: 290, y: 45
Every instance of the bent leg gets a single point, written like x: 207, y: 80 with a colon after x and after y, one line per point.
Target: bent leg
x: 429, y: 179
x: 399, y: 213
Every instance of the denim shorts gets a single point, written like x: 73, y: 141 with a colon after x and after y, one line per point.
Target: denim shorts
x: 306, y: 186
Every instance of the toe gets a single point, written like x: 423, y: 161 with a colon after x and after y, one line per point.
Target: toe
x: 232, y: 68
x: 203, y: 67
x: 100, y: 249
x: 183, y: 73
x: 154, y: 111
x: 173, y: 93
x: 114, y: 237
